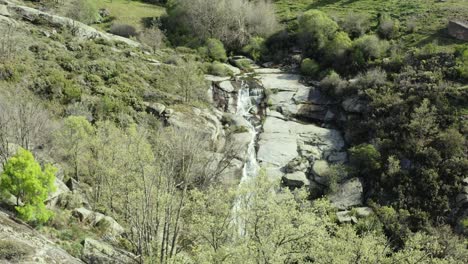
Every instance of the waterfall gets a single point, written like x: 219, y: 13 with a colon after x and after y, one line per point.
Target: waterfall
x: 244, y: 105
x: 251, y: 168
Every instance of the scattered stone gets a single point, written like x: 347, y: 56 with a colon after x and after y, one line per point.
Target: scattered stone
x: 363, y: 211
x: 344, y: 217
x: 155, y: 108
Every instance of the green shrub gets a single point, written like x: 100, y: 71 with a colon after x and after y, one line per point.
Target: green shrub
x: 338, y: 47
x: 123, y: 30
x: 333, y: 84
x: 215, y: 49
x: 219, y: 69
x: 84, y: 11
x: 315, y: 29
x: 369, y: 47
x: 388, y: 27
x: 256, y: 48
x: 8, y: 72
x: 244, y: 64
x: 462, y: 62
x: 310, y: 67
x: 11, y: 250
x: 355, y: 24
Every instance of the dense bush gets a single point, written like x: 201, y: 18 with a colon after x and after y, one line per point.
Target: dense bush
x: 369, y: 47
x: 355, y: 24
x: 388, y: 27
x: 333, y: 84
x: 310, y: 67
x: 256, y: 48
x: 215, y: 50
x: 123, y: 30
x: 219, y: 69
x: 84, y: 11
x: 315, y: 30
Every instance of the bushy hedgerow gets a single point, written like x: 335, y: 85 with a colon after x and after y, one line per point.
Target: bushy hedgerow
x: 310, y: 67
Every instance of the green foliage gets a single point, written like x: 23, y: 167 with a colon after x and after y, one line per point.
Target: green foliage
x: 73, y: 142
x: 337, y: 48
x: 365, y: 159
x: 219, y: 69
x: 84, y: 11
x: 23, y: 177
x: 215, y: 50
x: 388, y: 27
x: 462, y: 62
x: 369, y: 47
x: 315, y: 29
x: 333, y: 84
x: 355, y: 24
x: 256, y: 48
x: 310, y: 67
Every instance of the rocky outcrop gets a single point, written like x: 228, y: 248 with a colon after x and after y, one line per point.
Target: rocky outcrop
x: 98, y: 252
x: 19, y: 12
x: 28, y: 246
x: 95, y: 219
x: 458, y: 29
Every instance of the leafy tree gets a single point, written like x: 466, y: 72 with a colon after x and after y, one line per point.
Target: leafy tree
x: 73, y: 141
x: 24, y: 178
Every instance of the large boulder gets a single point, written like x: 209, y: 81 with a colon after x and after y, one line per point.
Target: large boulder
x: 101, y: 221
x: 296, y: 179
x: 349, y: 194
x: 98, y: 252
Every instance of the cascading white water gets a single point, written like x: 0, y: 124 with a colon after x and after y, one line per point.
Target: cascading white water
x: 251, y: 167
x: 244, y: 105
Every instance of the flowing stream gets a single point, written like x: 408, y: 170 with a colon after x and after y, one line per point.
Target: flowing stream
x: 248, y: 101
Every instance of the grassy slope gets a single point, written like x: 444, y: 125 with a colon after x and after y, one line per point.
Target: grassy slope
x: 129, y: 12
x: 430, y: 16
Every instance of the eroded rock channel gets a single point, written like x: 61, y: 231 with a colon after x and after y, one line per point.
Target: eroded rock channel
x: 286, y: 128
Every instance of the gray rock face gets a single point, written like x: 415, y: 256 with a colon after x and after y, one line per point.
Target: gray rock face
x: 4, y: 11
x: 36, y: 248
x: 99, y: 252
x: 349, y: 194
x: 282, y: 82
x: 205, y: 124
